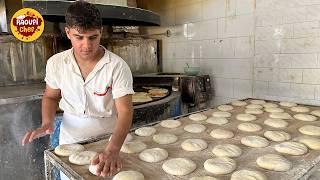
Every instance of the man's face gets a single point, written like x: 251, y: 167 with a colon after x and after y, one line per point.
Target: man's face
x: 85, y: 43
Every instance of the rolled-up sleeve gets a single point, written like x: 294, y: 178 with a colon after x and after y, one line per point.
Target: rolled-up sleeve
x: 122, y: 80
x: 51, y: 77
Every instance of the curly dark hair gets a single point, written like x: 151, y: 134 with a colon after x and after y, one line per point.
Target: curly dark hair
x: 83, y: 16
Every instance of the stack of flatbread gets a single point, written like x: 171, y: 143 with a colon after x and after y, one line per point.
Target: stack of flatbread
x: 158, y: 93
x: 141, y: 97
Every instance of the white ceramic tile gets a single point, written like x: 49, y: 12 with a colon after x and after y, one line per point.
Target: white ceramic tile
x: 263, y: 74
x: 194, y: 31
x: 304, y: 60
x: 208, y: 48
x: 264, y: 33
x: 260, y: 88
x: 294, y: 15
x: 303, y: 91
x: 306, y: 29
x: 290, y: 75
x: 207, y: 66
x: 317, y: 92
x: 209, y: 29
x: 301, y: 45
x: 312, y: 12
x: 242, y: 88
x: 168, y: 50
x: 223, y: 87
x: 241, y: 69
x: 234, y: 26
x: 188, y: 13
x: 273, y: 60
x: 269, y: 18
x: 311, y: 76
x: 268, y: 47
x: 221, y: 68
x: 244, y: 47
x: 218, y: 48
x: 216, y: 101
x: 245, y: 6
x: 279, y: 89
x: 181, y: 50
x: 218, y: 8
x: 194, y: 49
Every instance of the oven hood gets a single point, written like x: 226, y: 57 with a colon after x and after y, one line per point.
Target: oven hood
x: 111, y: 15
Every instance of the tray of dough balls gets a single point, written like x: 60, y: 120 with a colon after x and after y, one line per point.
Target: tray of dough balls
x: 249, y: 139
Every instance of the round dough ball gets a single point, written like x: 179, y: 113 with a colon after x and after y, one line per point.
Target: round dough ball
x: 217, y: 120
x: 227, y: 150
x: 254, y: 106
x: 280, y: 115
x: 145, y: 131
x: 277, y: 136
x: 133, y: 147
x: 291, y: 148
x: 255, y: 141
x: 274, y: 110
x: 194, y: 145
x: 310, y: 130
x: 221, y: 114
x: 221, y: 134
x: 257, y: 101
x: 220, y: 165
x: 68, y: 149
x: 128, y: 175
x: 195, y: 128
x: 287, y: 104
x: 311, y: 142
x: 249, y: 127
x: 128, y: 138
x: 245, y: 174
x: 153, y: 155
x: 300, y: 109
x: 197, y: 117
x: 253, y: 111
x: 315, y: 113
x: 179, y: 166
x: 269, y: 105
x: 93, y: 169
x: 274, y: 162
x: 170, y: 123
x: 305, y: 117
x: 82, y: 158
x: 239, y: 103
x: 246, y: 117
x: 225, y: 108
x: 203, y: 178
x: 165, y: 138
x: 276, y: 123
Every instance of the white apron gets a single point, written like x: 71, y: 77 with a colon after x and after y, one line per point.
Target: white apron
x: 74, y: 128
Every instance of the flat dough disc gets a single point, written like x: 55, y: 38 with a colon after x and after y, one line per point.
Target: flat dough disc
x: 165, y: 138
x: 82, y: 158
x: 249, y: 127
x: 227, y: 150
x: 254, y: 106
x: 270, y: 105
x: 145, y: 131
x: 203, y: 178
x: 93, y: 169
x: 239, y: 103
x: 221, y: 114
x: 225, y: 108
x: 194, y: 145
x: 315, y: 113
x: 280, y: 115
x: 128, y: 138
x: 246, y: 117
x: 221, y: 134
x: 141, y: 98
x: 291, y: 148
x: 255, y: 141
x: 133, y: 147
x: 277, y: 136
x: 300, y: 109
x: 220, y: 165
x: 305, y: 117
x: 274, y: 162
x: 179, y: 166
x: 311, y: 142
x: 245, y: 174
x: 276, y: 123
x: 170, y: 123
x: 274, y: 110
x: 197, y: 117
x: 128, y: 175
x: 310, y: 130
x: 217, y: 120
x: 287, y: 104
x: 68, y: 149
x: 153, y: 155
x: 195, y: 128
x: 257, y: 101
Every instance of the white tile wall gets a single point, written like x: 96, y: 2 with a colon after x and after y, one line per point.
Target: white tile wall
x: 250, y: 48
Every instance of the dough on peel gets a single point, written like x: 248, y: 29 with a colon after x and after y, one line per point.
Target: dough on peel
x: 253, y: 111
x: 217, y: 120
x: 246, y: 117
x: 300, y: 109
x: 287, y: 104
x: 239, y: 103
x: 221, y: 114
x: 310, y: 142
x: 225, y: 107
x: 257, y: 101
x: 276, y: 123
x: 305, y: 117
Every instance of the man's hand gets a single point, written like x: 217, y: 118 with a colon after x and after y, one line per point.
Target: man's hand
x: 109, y: 163
x: 39, y: 132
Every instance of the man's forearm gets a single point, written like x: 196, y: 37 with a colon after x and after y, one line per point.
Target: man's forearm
x: 49, y: 107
